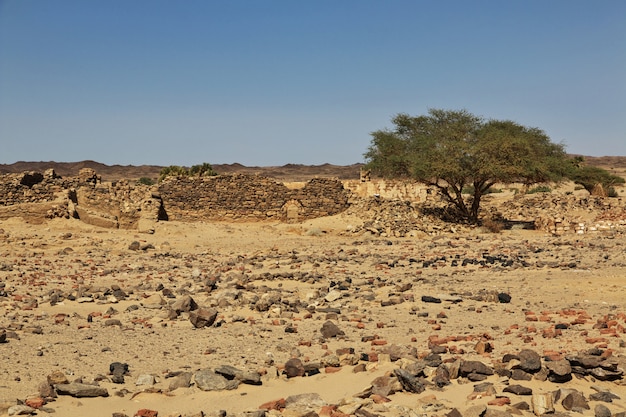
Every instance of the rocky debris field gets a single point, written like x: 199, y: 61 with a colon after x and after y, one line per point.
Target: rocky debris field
x: 331, y: 317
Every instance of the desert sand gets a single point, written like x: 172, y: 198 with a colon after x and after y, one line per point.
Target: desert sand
x: 274, y: 286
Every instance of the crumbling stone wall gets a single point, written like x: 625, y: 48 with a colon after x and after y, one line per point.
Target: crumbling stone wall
x: 247, y: 197
x: 27, y: 187
x: 561, y: 214
x: 406, y: 190
x: 117, y: 204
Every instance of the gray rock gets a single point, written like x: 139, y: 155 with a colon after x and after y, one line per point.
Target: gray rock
x: 575, y: 401
x: 304, y: 402
x: 330, y: 329
x: 475, y: 411
x: 442, y: 376
x: 585, y: 361
x: 530, y: 361
x: 520, y: 375
x: 385, y: 385
x: 492, y: 412
x: 145, y: 379
x: 78, y: 390
x: 184, y: 304
x: 601, y: 410
x: 605, y: 374
x: 409, y: 382
x: 207, y: 380
x: 182, y: 380
x: 474, y: 367
x: 518, y: 390
x: 112, y: 322
x: 294, y: 367
x: 246, y: 377
x: 118, y: 370
x: 604, y: 396
x: 21, y: 410
x: 560, y: 371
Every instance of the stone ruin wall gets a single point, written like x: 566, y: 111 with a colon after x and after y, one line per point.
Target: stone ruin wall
x: 405, y: 190
x: 121, y: 204
x: 239, y: 197
x: 244, y: 197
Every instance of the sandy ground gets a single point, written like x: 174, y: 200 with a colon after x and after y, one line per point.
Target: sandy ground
x: 550, y: 280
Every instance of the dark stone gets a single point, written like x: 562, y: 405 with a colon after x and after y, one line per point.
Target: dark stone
x: 575, y: 401
x: 483, y: 387
x: 475, y: 377
x: 207, y: 380
x: 454, y: 413
x: 477, y: 367
x: 442, y: 376
x: 522, y: 405
x: 518, y: 390
x: 504, y: 297
x: 184, y: 304
x: 202, y: 317
x: 601, y: 410
x: 560, y: 371
x: 330, y: 329
x: 294, y: 367
x: 509, y: 357
x: 118, y: 370
x: 605, y: 375
x: 409, y: 382
x: 519, y: 375
x: 585, y: 361
x: 433, y: 360
x: 429, y: 299
x: 604, y: 396
x: 438, y: 349
x: 228, y: 372
x: 530, y: 361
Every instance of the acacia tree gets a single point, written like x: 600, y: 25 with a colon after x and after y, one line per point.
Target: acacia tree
x: 590, y: 176
x: 454, y: 149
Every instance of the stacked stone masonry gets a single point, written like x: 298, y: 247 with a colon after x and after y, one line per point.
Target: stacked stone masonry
x: 241, y: 197
x: 238, y: 197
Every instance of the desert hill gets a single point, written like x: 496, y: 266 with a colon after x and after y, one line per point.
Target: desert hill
x: 288, y: 172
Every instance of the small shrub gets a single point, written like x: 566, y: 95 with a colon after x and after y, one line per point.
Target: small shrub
x: 612, y: 192
x: 493, y: 225
x: 314, y: 231
x: 195, y: 171
x: 145, y: 181
x: 540, y: 189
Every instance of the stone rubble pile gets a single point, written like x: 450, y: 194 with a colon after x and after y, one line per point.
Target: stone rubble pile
x: 331, y: 325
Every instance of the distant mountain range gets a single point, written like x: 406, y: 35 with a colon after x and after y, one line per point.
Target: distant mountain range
x: 291, y: 172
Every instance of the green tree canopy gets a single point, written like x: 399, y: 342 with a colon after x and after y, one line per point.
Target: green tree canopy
x: 590, y: 176
x: 452, y: 149
x: 204, y: 169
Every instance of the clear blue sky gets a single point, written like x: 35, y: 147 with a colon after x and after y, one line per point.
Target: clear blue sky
x: 270, y: 82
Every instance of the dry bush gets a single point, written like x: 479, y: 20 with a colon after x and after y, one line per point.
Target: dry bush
x: 493, y: 225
